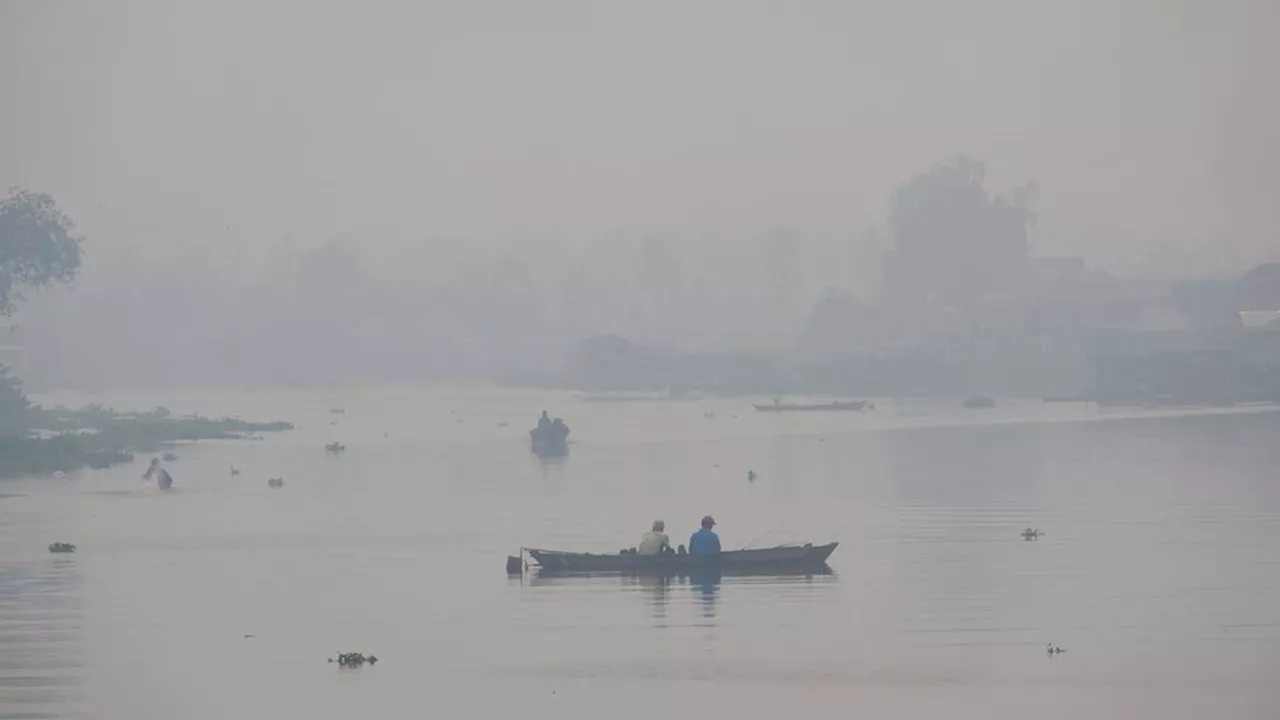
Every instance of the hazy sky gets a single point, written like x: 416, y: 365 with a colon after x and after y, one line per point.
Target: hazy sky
x: 172, y: 124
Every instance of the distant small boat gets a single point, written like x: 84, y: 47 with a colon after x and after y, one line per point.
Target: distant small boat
x: 335, y: 447
x: 62, y: 547
x: 979, y: 401
x: 784, y: 558
x: 548, y: 446
x: 1082, y: 397
x: 838, y: 406
x: 550, y: 439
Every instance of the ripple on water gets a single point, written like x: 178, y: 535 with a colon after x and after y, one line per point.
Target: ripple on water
x: 41, y: 670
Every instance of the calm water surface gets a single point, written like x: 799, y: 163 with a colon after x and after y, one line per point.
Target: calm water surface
x: 1158, y: 573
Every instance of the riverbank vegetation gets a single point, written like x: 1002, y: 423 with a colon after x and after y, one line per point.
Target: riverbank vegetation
x: 38, y: 248
x: 35, y: 440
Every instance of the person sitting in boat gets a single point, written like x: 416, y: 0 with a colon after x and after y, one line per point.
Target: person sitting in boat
x: 705, y: 541
x: 560, y: 431
x: 655, y: 541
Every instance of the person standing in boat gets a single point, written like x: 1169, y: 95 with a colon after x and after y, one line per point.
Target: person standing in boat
x: 655, y: 541
x: 705, y: 541
x: 544, y: 423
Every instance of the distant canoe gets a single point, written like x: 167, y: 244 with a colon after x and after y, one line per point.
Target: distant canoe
x: 784, y: 558
x: 551, y: 441
x: 549, y: 447
x: 846, y: 406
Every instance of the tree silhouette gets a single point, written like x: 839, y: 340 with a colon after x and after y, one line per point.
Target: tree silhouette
x: 953, y: 243
x: 37, y: 246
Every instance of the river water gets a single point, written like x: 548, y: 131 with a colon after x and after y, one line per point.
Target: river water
x: 1158, y: 573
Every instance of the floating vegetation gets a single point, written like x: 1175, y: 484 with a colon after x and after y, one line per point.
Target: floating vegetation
x: 275, y: 482
x: 62, y: 440
x: 354, y: 659
x: 62, y: 547
x: 334, y: 448
x: 60, y: 453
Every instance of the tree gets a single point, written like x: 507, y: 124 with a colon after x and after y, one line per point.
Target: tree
x: 37, y: 246
x: 14, y: 405
x: 834, y: 326
x: 952, y: 242
x: 1259, y: 288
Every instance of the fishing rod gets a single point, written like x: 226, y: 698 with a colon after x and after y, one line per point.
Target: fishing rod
x: 758, y: 539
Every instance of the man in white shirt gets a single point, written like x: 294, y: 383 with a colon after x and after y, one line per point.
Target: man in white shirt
x: 655, y: 541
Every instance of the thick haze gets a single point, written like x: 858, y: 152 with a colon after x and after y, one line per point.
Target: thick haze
x: 453, y: 144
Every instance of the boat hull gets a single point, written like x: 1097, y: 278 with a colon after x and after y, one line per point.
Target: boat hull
x: 549, y: 448
x: 782, y: 559
x: 852, y: 406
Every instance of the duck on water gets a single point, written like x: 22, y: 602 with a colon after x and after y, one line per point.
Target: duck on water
x: 163, y: 479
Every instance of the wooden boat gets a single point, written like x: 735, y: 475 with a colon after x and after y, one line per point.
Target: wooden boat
x: 846, y: 406
x: 783, y: 558
x: 548, y: 447
x: 551, y: 441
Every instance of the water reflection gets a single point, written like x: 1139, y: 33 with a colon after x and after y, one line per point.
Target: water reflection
x: 705, y: 587
x: 543, y: 576
x: 39, y: 639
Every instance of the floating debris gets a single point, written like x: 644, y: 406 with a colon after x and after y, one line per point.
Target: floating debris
x: 169, y: 457
x: 335, y: 447
x: 61, y: 547
x: 1031, y: 534
x: 354, y: 659
x: 275, y: 482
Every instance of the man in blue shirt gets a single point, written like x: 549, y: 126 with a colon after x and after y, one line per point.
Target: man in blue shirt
x: 705, y: 542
